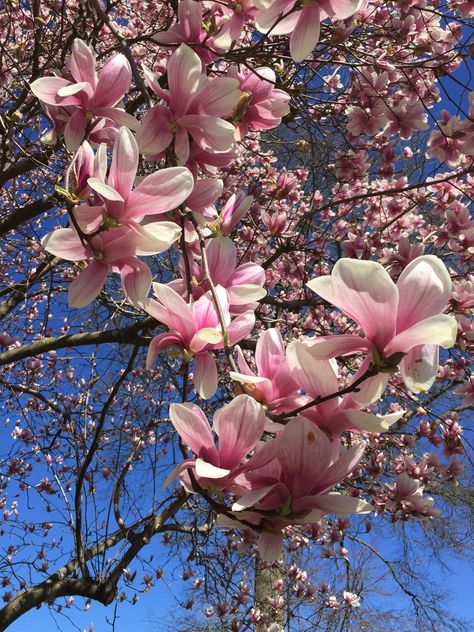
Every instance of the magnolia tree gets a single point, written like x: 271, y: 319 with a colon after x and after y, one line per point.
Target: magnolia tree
x: 236, y: 288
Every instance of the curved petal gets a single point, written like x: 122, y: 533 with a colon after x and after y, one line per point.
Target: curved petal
x: 46, y: 89
x: 353, y: 419
x: 154, y: 134
x: 327, y: 347
x: 114, y: 81
x: 221, y: 259
x: 184, y: 78
x: 419, y: 367
x: 207, y: 470
x: 156, y: 237
x: 270, y: 546
x: 334, y: 503
x: 192, y: 426
x: 75, y: 130
x: 136, y: 280
x: 241, y: 327
x: 218, y: 97
x: 438, y: 330
x: 163, y: 341
x: 65, y: 243
x: 124, y: 163
x: 205, y: 375
x: 160, y: 192
x: 424, y: 288
x: 88, y: 284
x: 239, y: 425
x: 180, y: 316
x: 306, y: 34
x: 269, y: 353
x: 82, y: 63
x: 364, y: 291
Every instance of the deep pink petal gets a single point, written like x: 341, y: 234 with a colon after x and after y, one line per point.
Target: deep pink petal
x: 221, y: 259
x: 75, y: 130
x: 180, y: 315
x: 163, y: 341
x: 82, y: 63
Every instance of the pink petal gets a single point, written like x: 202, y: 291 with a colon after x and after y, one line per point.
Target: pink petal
x: 114, y: 81
x: 204, y: 311
x: 221, y: 259
x: 75, y: 130
x: 205, y: 375
x: 118, y: 116
x: 209, y: 132
x: 248, y: 274
x: 365, y: 292
x: 88, y: 284
x: 124, y: 163
x: 424, y: 288
x: 252, y: 498
x: 269, y: 353
x: 306, y: 34
x: 154, y: 134
x: 160, y: 192
x: 241, y: 327
x: 82, y: 63
x: 180, y: 314
x: 184, y: 78
x: 270, y: 546
x: 327, y: 347
x: 88, y: 218
x: 338, y: 504
x: 192, y: 426
x: 339, y: 470
x: 163, y: 341
x: 65, y: 243
x: 206, y: 191
x: 181, y: 146
x: 217, y: 98
x: 239, y: 426
x: 156, y: 237
x: 46, y: 89
x: 304, y: 452
x: 136, y: 280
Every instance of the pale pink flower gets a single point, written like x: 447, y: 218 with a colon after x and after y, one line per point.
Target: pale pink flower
x: 296, y: 484
x: 403, y: 323
x: 303, y: 24
x: 273, y: 385
x: 88, y: 106
x: 261, y: 105
x: 244, y: 283
x: 112, y: 250
x: 195, y: 330
x: 238, y: 425
x: 195, y: 105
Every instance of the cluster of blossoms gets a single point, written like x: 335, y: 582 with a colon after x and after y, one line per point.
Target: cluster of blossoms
x: 302, y: 297
x: 281, y: 471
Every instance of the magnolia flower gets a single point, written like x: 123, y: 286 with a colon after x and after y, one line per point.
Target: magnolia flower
x: 238, y: 425
x: 89, y: 103
x: 303, y: 24
x: 195, y: 330
x: 195, y: 105
x: 402, y: 322
x: 296, y: 484
x: 273, y: 385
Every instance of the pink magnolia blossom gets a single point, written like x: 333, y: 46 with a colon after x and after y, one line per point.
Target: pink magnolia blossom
x: 303, y: 24
x: 195, y: 105
x: 244, y: 283
x: 156, y: 194
x: 273, y: 386
x: 318, y: 378
x: 236, y: 207
x: 261, y: 105
x: 295, y: 486
x: 238, y: 425
x: 87, y: 107
x: 235, y: 15
x: 402, y: 320
x: 189, y: 30
x: 195, y: 330
x: 113, y: 250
